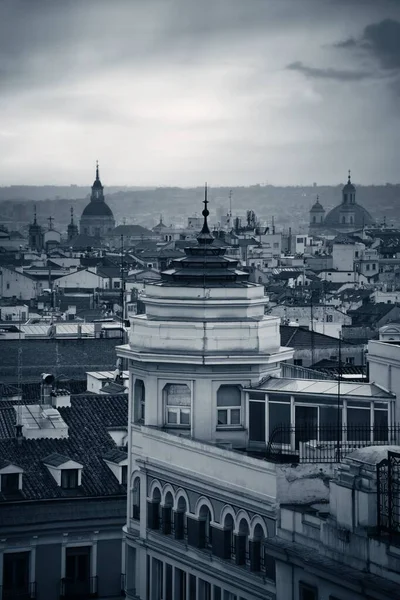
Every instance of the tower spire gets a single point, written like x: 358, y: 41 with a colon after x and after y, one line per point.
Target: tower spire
x: 34, y: 215
x: 349, y: 177
x: 97, y: 170
x: 72, y: 215
x: 205, y: 236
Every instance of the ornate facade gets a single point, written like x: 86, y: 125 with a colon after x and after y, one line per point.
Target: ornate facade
x: 199, y: 512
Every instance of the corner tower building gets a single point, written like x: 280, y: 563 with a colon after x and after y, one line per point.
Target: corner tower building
x: 97, y: 219
x: 199, y: 503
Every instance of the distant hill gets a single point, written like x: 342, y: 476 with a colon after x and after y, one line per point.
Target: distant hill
x: 288, y: 205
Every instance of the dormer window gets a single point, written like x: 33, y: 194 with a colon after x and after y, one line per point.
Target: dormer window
x: 10, y: 477
x: 117, y: 462
x: 66, y: 472
x: 69, y: 478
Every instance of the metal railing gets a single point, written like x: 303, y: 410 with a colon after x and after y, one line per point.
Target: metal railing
x: 24, y: 592
x: 388, y: 490
x: 123, y: 584
x: 72, y: 588
x: 326, y: 443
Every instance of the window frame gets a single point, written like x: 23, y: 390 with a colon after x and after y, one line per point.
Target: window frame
x: 307, y: 587
x: 229, y: 409
x: 14, y: 477
x: 177, y: 409
x: 68, y: 474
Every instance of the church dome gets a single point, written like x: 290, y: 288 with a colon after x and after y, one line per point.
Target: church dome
x: 317, y: 207
x: 362, y: 218
x: 97, y: 209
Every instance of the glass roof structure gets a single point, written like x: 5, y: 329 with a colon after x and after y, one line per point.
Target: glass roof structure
x: 323, y: 387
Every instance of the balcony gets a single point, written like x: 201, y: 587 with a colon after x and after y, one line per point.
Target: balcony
x: 310, y: 443
x: 73, y: 589
x: 24, y: 592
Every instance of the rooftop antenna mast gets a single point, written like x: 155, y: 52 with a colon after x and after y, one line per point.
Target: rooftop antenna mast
x: 122, y: 288
x: 19, y: 380
x: 230, y: 203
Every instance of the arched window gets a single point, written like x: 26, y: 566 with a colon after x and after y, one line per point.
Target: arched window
x: 229, y: 526
x: 314, y: 219
x: 351, y: 220
x: 136, y: 499
x: 256, y: 549
x: 153, y: 510
x: 177, y: 399
x: 343, y: 219
x: 242, y: 543
x: 180, y: 519
x: 166, y: 520
x: 139, y: 400
x: 205, y: 529
x: 229, y: 403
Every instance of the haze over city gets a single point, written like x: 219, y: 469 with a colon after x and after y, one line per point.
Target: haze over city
x: 170, y: 92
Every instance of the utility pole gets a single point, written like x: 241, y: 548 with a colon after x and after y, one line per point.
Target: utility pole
x: 339, y: 400
x: 122, y: 270
x: 312, y: 329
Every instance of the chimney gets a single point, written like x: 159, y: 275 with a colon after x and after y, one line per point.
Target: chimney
x: 46, y: 388
x: 18, y: 433
x: 61, y: 398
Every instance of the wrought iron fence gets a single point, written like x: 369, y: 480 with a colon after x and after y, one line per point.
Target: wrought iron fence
x: 388, y: 488
x: 310, y: 443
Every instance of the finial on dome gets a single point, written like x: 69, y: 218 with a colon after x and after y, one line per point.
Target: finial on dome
x: 317, y: 197
x: 97, y: 169
x: 34, y: 214
x: 349, y: 177
x: 205, y: 236
x: 72, y: 215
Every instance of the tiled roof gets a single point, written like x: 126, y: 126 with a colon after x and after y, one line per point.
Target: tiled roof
x: 114, y: 388
x: 4, y: 463
x: 55, y: 459
x: 31, y: 391
x: 370, y: 313
x: 88, y: 419
x: 115, y: 455
x: 70, y: 357
x: 7, y: 391
x: 300, y: 337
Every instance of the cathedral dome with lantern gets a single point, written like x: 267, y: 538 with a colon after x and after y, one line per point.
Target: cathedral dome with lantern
x: 346, y: 217
x: 97, y: 219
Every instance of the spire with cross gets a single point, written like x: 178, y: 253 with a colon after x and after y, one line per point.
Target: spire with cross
x: 50, y: 220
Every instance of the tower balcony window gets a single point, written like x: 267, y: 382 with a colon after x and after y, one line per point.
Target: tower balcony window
x: 229, y: 406
x: 177, y: 398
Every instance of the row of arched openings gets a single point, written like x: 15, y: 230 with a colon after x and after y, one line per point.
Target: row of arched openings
x: 236, y: 537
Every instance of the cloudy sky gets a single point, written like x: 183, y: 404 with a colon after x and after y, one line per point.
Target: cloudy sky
x: 176, y: 92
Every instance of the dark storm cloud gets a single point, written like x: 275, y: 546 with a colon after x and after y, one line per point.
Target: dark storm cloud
x: 381, y: 41
x: 329, y: 73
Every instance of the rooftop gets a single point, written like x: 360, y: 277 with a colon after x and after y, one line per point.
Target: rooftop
x: 87, y: 418
x: 323, y: 387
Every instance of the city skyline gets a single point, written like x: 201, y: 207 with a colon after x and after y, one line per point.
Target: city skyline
x: 166, y: 93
